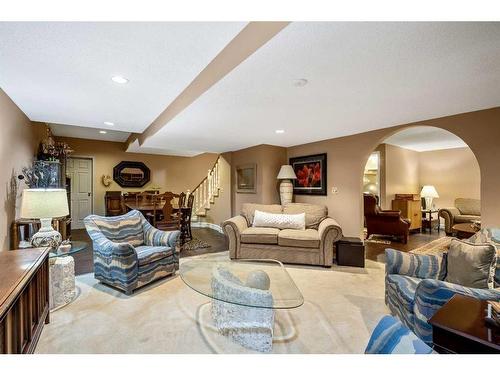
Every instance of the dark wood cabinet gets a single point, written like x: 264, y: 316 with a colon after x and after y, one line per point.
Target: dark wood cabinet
x: 24, y: 299
x: 459, y: 327
x: 350, y: 251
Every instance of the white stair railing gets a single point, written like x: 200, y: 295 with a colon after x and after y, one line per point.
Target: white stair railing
x: 206, y: 191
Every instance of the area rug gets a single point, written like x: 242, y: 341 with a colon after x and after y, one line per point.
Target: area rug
x: 342, y: 306
x: 377, y: 240
x: 195, y: 244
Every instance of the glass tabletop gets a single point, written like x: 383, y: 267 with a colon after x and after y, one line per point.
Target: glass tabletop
x: 252, y: 283
x: 76, y: 246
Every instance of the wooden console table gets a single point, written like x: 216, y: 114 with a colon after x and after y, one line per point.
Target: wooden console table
x: 24, y: 299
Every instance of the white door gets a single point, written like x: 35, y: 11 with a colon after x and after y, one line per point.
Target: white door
x: 80, y: 172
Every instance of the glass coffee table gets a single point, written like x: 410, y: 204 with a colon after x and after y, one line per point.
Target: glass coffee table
x: 244, y: 295
x: 62, y: 289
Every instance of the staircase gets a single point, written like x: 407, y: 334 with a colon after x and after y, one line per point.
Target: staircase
x: 206, y: 192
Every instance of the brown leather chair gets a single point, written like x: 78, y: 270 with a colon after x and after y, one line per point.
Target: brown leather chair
x: 384, y: 222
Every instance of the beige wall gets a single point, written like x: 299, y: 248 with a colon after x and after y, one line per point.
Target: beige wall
x: 401, y: 173
x: 18, y: 145
x: 453, y: 172
x: 269, y: 159
x: 171, y: 173
x: 347, y: 157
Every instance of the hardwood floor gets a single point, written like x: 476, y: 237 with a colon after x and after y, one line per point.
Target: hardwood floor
x: 375, y: 251
x: 84, y: 262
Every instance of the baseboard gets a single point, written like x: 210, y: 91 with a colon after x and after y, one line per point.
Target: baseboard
x: 202, y: 224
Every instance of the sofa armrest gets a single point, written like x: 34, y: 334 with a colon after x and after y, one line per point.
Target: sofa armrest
x: 329, y: 232
x: 233, y: 228
x: 430, y: 295
x: 448, y: 214
x: 415, y: 265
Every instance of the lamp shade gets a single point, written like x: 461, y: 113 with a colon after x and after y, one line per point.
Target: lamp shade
x: 44, y: 203
x: 429, y: 191
x: 286, y: 173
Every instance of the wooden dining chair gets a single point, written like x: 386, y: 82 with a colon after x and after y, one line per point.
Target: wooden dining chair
x: 182, y: 200
x: 163, y: 213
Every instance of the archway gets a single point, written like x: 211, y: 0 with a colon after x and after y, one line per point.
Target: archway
x: 412, y: 157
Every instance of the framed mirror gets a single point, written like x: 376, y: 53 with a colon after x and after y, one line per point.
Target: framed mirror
x: 131, y: 174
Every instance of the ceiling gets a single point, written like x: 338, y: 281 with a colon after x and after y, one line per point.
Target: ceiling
x: 425, y: 138
x: 88, y: 133
x: 361, y: 76
x: 61, y: 72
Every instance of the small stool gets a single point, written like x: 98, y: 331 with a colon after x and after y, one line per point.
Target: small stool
x: 350, y: 252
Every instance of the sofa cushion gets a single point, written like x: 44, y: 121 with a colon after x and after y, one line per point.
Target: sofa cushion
x: 465, y: 218
x: 401, y: 289
x: 248, y: 210
x: 150, y: 254
x: 299, y: 238
x: 471, y: 265
x: 315, y: 213
x: 260, y: 235
x: 468, y: 206
x: 280, y: 221
x: 491, y: 236
x: 127, y: 229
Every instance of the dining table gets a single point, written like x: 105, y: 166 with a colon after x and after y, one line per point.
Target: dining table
x: 146, y: 207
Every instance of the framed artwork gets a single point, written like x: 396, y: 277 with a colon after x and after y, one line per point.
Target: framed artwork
x: 131, y: 174
x: 246, y: 178
x: 311, y: 174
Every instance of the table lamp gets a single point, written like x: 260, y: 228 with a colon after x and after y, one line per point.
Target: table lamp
x: 286, y: 174
x: 429, y: 192
x: 45, y: 204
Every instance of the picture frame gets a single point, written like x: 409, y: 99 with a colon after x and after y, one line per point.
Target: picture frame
x: 246, y: 178
x: 311, y: 172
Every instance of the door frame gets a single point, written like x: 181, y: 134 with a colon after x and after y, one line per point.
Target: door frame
x: 92, y: 159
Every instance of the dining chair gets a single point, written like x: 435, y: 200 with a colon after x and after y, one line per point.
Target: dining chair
x: 163, y: 213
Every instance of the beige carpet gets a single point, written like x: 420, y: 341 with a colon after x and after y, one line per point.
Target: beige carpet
x: 342, y: 306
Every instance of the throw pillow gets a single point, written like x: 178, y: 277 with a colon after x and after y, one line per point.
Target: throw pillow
x: 471, y: 265
x: 280, y: 221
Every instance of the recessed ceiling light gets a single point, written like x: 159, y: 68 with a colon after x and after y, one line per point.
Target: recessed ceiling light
x: 102, y: 131
x: 279, y: 131
x: 300, y: 82
x: 119, y: 79
x: 109, y: 123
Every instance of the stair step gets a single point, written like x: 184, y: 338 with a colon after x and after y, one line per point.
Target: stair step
x: 201, y: 214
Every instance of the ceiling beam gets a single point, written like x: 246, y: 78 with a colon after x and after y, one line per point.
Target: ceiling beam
x: 249, y: 40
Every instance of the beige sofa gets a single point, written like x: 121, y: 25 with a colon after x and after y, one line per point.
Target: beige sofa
x: 314, y: 245
x: 466, y: 210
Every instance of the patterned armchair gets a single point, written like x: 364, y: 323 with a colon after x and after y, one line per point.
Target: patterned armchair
x: 415, y: 289
x: 390, y: 336
x: 129, y: 252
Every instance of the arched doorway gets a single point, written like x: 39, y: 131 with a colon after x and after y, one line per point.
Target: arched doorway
x: 414, y: 157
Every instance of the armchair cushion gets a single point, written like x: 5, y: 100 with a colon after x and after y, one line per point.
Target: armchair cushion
x: 415, y: 265
x: 466, y: 218
x: 150, y: 254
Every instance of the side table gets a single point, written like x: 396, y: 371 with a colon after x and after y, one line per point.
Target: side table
x: 350, y: 251
x: 459, y: 327
x: 62, y: 275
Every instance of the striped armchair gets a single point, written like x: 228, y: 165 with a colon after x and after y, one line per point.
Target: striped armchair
x: 129, y: 252
x: 415, y: 289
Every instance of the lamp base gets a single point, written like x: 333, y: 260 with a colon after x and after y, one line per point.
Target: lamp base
x: 428, y: 203
x: 286, y: 191
x: 46, y: 236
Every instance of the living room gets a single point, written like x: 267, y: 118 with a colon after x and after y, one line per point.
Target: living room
x: 227, y: 190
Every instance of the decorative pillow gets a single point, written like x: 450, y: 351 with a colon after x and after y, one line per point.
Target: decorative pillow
x: 280, y: 221
x: 471, y: 265
x: 248, y: 210
x: 315, y: 213
x: 491, y: 236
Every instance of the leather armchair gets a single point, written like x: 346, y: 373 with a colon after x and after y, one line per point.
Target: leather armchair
x: 384, y: 222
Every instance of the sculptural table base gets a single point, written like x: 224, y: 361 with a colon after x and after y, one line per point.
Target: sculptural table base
x: 62, y: 281
x: 251, y: 327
